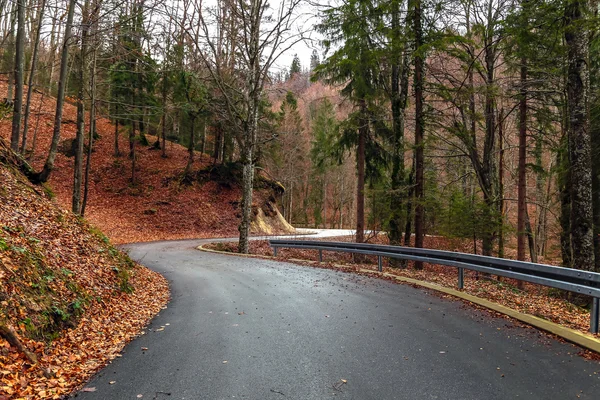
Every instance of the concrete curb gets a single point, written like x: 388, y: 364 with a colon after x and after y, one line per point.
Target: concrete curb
x: 229, y: 253
x: 586, y: 341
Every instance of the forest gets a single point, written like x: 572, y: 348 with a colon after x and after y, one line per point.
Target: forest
x: 470, y: 119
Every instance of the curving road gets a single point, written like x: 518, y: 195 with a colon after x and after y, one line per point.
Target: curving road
x: 240, y: 328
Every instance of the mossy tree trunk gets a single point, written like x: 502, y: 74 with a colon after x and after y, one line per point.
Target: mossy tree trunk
x: 578, y: 92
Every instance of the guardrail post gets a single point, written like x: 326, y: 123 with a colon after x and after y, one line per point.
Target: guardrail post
x: 275, y: 251
x: 320, y: 255
x: 379, y: 264
x: 594, y: 315
x: 461, y: 278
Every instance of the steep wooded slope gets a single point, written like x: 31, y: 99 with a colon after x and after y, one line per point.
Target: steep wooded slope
x: 71, y: 298
x: 159, y: 206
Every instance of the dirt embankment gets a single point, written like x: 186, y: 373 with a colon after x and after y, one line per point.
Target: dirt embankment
x: 161, y: 204
x: 69, y: 301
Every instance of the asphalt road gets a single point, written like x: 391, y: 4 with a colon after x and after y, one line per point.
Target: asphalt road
x: 255, y: 329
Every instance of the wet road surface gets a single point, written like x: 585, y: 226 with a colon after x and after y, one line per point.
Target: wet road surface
x: 242, y: 328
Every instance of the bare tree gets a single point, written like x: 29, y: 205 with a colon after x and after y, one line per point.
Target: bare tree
x: 258, y: 34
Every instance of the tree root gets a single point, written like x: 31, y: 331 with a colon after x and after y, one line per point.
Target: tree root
x: 7, y: 156
x: 12, y: 338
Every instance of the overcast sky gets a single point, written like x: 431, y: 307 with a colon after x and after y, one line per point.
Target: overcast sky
x: 308, y: 17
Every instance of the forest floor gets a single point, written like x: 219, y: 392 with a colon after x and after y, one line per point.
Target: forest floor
x: 159, y: 206
x: 540, y: 301
x: 67, y: 297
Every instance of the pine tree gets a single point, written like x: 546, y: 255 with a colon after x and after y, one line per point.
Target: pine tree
x: 355, y: 66
x: 314, y: 60
x: 296, y: 67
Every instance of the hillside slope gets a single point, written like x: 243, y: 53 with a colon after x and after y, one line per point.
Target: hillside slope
x: 158, y: 206
x: 71, y: 298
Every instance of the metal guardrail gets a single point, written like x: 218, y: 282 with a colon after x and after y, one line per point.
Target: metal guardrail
x: 572, y: 280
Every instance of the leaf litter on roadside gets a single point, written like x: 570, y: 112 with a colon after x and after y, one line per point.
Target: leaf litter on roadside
x: 68, y: 295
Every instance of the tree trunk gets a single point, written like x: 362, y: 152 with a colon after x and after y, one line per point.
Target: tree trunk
x: 164, y: 116
x: 342, y: 203
x: 522, y: 180
x: 34, y: 61
x: 530, y: 242
x: 191, y: 145
x: 117, y: 151
x: 92, y: 124
x: 249, y: 142
x: 409, y: 211
x: 501, y: 182
x: 203, y: 145
x: 363, y: 131
x: 132, y: 151
x: 37, y: 125
x: 54, y: 45
x: 419, y: 131
x: 218, y: 132
x: 248, y: 179
x: 596, y: 194
x: 18, y: 75
x: 542, y: 229
x: 48, y: 90
x: 291, y: 203
x: 221, y: 154
x: 11, y: 49
x: 399, y: 96
x: 578, y: 91
x: 44, y: 175
x: 79, y: 137
x: 564, y: 185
